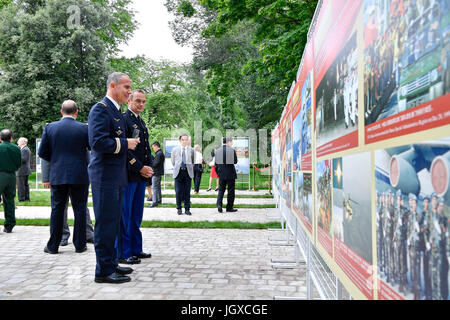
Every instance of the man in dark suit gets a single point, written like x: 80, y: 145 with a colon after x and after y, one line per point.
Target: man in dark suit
x: 64, y: 144
x: 158, y: 172
x: 9, y: 164
x: 139, y: 172
x: 226, y: 158
x: 108, y: 175
x: 24, y: 171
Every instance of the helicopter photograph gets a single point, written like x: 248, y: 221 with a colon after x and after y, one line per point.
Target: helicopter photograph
x: 352, y: 203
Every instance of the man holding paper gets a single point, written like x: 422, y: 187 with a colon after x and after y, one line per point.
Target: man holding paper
x: 139, y: 162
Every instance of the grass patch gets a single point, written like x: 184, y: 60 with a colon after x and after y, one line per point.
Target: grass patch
x: 168, y: 224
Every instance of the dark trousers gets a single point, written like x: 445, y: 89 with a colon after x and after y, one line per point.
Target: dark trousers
x: 23, y: 188
x: 183, y: 189
x: 66, y: 230
x: 78, y: 194
x: 231, y: 192
x: 108, y: 210
x: 197, y: 177
x: 8, y: 192
x: 156, y: 188
x: 130, y: 236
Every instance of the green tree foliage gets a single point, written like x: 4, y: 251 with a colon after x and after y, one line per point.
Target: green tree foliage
x: 51, y: 52
x: 250, y: 50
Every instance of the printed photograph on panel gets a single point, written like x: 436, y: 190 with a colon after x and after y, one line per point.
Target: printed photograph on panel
x: 288, y: 167
x: 241, y: 145
x: 324, y: 218
x: 337, y: 96
x: 413, y: 212
x: 352, y: 203
x: 276, y: 164
x: 306, y: 117
x: 297, y: 141
x: 303, y: 198
x: 407, y: 55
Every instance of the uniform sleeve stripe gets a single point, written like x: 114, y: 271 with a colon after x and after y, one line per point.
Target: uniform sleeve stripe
x: 118, y: 146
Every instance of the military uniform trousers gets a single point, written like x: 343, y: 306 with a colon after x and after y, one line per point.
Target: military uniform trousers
x: 78, y: 194
x: 108, y: 203
x: 8, y: 192
x: 130, y: 236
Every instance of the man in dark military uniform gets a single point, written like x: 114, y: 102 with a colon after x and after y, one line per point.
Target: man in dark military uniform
x: 426, y: 216
x: 108, y: 175
x: 10, y: 162
x: 413, y: 241
x: 139, y: 172
x: 434, y: 239
x: 380, y: 244
x: 402, y: 230
x: 443, y: 271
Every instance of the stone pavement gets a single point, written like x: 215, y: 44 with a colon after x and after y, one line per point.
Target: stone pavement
x: 168, y: 214
x: 205, y: 264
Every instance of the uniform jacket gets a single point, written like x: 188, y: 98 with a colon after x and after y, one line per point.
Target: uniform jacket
x: 176, y: 158
x: 64, y: 144
x: 226, y: 158
x: 158, y: 163
x: 10, y: 157
x: 141, y: 155
x: 109, y: 146
x: 25, y: 169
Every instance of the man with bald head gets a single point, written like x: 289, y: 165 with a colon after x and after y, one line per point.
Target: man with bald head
x: 64, y: 144
x: 108, y: 175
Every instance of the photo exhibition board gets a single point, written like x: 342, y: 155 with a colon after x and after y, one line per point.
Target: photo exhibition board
x: 375, y: 198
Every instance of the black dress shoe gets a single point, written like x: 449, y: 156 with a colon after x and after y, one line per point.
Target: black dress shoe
x: 130, y: 260
x: 187, y: 212
x: 154, y: 205
x: 123, y: 270
x: 179, y: 212
x: 81, y: 250
x: 6, y: 230
x: 232, y: 210
x: 113, y: 278
x: 64, y: 243
x: 219, y: 208
x: 47, y: 250
x: 143, y: 255
x: 90, y: 240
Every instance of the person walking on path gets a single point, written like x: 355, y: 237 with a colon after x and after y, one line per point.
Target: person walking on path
x: 10, y: 162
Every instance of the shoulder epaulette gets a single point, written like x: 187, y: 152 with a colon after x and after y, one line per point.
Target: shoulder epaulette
x: 102, y: 103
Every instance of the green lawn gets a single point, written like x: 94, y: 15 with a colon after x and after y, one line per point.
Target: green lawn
x: 168, y: 224
x: 242, y: 183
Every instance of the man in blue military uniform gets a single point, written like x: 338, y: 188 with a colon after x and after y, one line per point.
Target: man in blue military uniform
x: 64, y: 144
x: 108, y: 175
x: 139, y: 172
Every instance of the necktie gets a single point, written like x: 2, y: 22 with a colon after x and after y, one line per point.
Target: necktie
x: 183, y: 158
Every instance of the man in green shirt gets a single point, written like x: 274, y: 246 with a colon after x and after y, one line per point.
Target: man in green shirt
x: 10, y: 163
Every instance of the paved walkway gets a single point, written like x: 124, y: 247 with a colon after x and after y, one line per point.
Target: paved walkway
x: 168, y: 214
x: 209, y: 264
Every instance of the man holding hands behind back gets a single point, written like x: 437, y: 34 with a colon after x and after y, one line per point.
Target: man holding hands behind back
x: 139, y: 173
x: 64, y: 144
x: 108, y: 175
